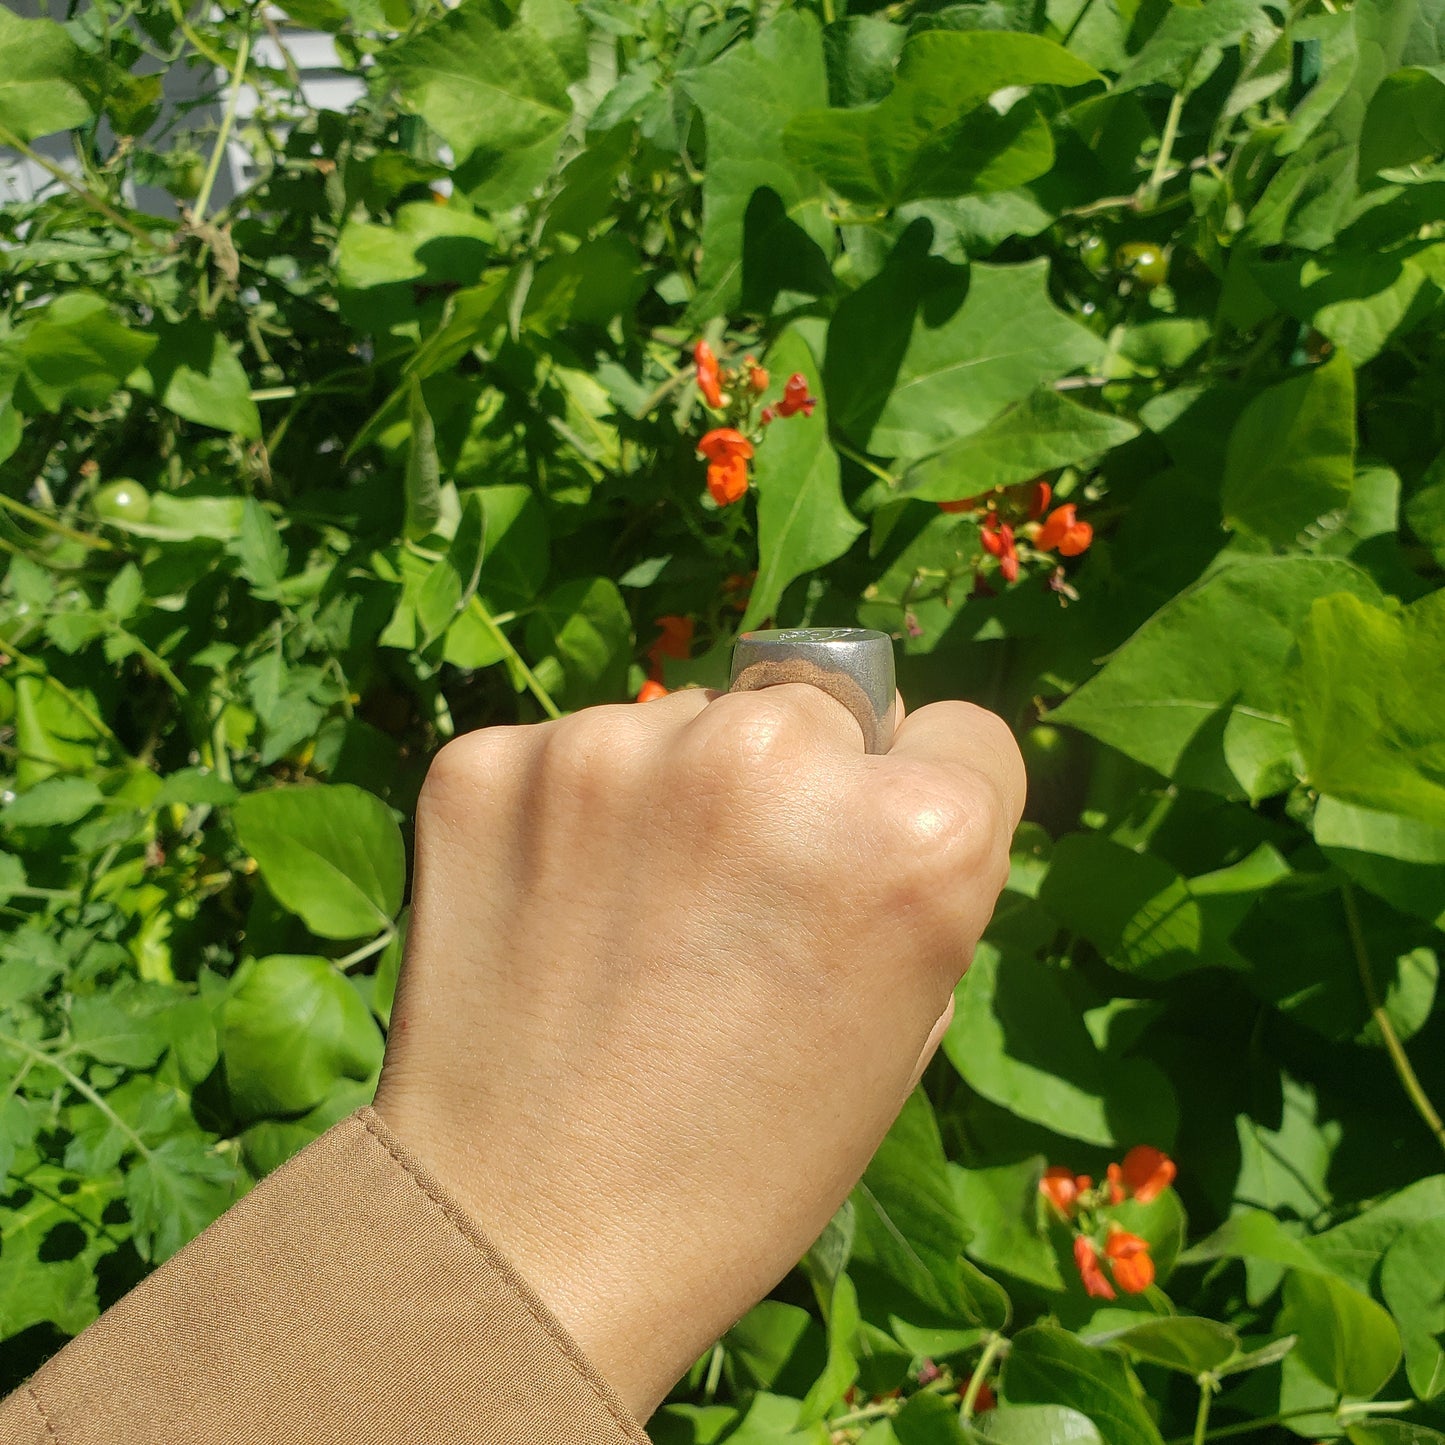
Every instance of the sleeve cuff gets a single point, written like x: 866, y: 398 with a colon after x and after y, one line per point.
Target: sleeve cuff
x: 346, y: 1298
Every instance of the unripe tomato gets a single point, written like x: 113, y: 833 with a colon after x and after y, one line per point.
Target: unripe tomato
x: 122, y: 501
x: 1094, y: 253
x: 187, y: 170
x: 1144, y: 261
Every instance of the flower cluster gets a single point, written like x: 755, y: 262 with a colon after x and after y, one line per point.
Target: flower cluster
x: 735, y: 391
x: 1020, y: 515
x: 1143, y: 1176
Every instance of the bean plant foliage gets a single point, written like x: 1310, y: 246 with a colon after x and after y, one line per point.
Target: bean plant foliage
x: 1091, y: 348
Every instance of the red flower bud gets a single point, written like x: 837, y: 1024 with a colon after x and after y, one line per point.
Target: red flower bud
x: 708, y: 382
x: 1058, y: 1187
x: 1130, y: 1259
x: 796, y: 398
x: 757, y: 376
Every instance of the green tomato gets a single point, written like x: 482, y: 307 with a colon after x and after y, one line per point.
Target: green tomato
x: 187, y: 171
x: 1144, y: 261
x: 122, y: 501
x: 1094, y: 253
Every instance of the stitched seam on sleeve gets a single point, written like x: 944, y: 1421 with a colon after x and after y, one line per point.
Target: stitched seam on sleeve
x: 503, y: 1267
x: 41, y: 1411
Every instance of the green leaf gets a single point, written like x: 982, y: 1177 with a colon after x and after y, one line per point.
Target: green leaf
x: 124, y: 1026
x: 514, y: 566
x: 1186, y: 1343
x: 42, y: 78
x: 292, y: 1027
x: 1037, y: 1425
x: 1291, y: 457
x: 803, y: 522
x: 269, y: 1143
x: 1346, y: 1340
x: 1000, y: 1203
x: 1044, y: 431
x: 52, y: 803
x: 1398, y: 859
x: 584, y: 624
x: 488, y: 77
x: 194, y: 372
x: 1412, y: 1280
x: 747, y: 99
x: 77, y: 352
x: 45, y: 1278
x: 175, y: 1190
x: 1201, y: 692
x: 935, y: 135
x: 259, y: 549
x: 1392, y: 1432
x: 1018, y: 1039
x: 912, y: 367
x: 1368, y: 704
x: 1188, y: 42
x: 1049, y: 1366
x: 451, y: 583
x: 333, y: 855
x: 423, y: 470
x: 1405, y: 121
x: 1253, y: 1234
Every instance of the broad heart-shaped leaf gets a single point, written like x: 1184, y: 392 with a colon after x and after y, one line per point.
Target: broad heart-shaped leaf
x: 1018, y: 1039
x: 77, y: 352
x: 584, y: 630
x: 1001, y: 1205
x: 1412, y: 1280
x: 331, y: 854
x: 486, y: 76
x: 1346, y: 1340
x: 803, y: 522
x: 935, y: 134
x: 291, y: 1029
x: 923, y: 354
x: 42, y: 81
x: 1353, y: 1250
x: 1368, y: 703
x: 747, y: 99
x: 1201, y: 691
x: 175, y: 1190
x: 1049, y: 1366
x: 1044, y: 431
x: 1187, y: 1343
x: 517, y: 555
x: 194, y: 373
x: 1406, y: 119
x: 1037, y: 1425
x: 1291, y: 456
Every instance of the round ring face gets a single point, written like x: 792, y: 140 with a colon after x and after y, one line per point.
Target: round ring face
x: 852, y: 664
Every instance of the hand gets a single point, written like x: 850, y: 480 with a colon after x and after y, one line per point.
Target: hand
x: 673, y: 969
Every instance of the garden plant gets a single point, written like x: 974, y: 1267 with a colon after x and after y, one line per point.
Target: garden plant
x: 1092, y: 348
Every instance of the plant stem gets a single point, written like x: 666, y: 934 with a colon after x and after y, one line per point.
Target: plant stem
x: 30, y: 514
x: 1166, y: 148
x: 8, y: 137
x: 223, y: 136
x: 1201, y: 1417
x: 991, y: 1351
x: 544, y: 698
x: 38, y: 670
x: 1409, y: 1080
x: 365, y: 951
x: 52, y: 1061
x: 844, y: 450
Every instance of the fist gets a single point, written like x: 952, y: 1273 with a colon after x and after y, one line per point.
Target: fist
x: 672, y: 971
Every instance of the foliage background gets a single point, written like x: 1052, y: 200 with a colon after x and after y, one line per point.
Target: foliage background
x: 406, y: 435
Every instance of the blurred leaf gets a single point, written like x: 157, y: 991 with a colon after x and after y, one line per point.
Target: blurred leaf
x: 42, y: 74
x: 585, y: 625
x: 1345, y: 1339
x: 1186, y: 1343
x: 1412, y: 1281
x: 194, y: 372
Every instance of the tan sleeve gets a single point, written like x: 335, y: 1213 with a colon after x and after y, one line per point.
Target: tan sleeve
x: 344, y: 1299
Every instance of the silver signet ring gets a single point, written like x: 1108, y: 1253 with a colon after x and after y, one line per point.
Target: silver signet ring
x: 852, y: 664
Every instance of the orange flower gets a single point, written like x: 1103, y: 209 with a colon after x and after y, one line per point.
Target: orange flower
x: 1129, y: 1256
x: 737, y: 588
x: 1117, y: 1192
x: 1059, y: 1188
x: 985, y: 1400
x: 651, y: 690
x: 727, y: 451
x: 1064, y: 531
x: 1147, y: 1172
x: 796, y: 398
x: 708, y: 382
x: 1086, y: 1257
x: 997, y: 538
x: 1039, y: 494
x: 757, y: 376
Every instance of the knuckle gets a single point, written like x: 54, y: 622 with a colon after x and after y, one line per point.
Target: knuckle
x: 945, y: 826
x: 753, y: 733
x: 594, y: 750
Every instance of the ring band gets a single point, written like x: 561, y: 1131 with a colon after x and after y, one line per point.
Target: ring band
x: 852, y: 664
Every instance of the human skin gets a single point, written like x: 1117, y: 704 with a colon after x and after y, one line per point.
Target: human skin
x: 673, y: 969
